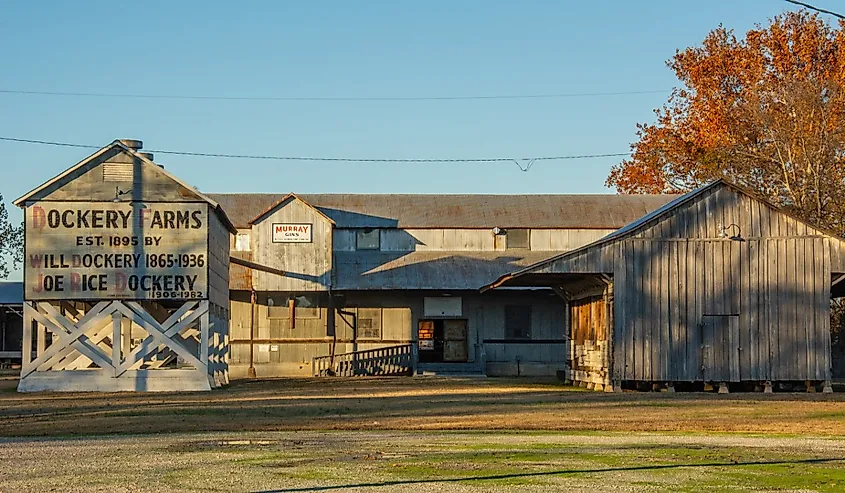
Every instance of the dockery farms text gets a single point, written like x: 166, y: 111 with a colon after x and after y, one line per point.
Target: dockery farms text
x: 121, y: 250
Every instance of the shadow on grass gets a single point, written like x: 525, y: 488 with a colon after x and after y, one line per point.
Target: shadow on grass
x: 555, y: 473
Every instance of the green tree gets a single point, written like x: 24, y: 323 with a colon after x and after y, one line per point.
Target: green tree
x: 11, y: 242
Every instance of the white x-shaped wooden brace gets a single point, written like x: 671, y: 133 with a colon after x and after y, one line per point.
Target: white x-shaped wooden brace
x: 71, y: 336
x: 164, y: 333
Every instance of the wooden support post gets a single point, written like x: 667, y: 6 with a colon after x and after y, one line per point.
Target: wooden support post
x: 41, y: 338
x: 26, y: 355
x: 828, y: 388
x: 655, y: 387
x: 723, y: 388
x: 292, y: 312
x: 708, y: 386
x: 811, y: 386
x: 599, y: 387
x: 767, y: 387
x: 126, y: 336
x: 205, y: 327
x: 670, y: 387
x: 251, y: 371
x: 116, y: 341
x: 616, y: 387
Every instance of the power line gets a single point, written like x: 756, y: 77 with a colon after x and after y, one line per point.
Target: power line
x: 528, y: 161
x: 340, y: 98
x: 823, y: 11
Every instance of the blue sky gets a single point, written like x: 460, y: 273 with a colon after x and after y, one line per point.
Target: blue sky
x: 356, y: 49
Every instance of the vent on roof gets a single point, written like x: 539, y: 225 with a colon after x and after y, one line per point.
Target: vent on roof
x: 117, y: 172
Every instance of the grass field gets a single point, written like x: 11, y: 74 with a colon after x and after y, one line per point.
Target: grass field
x: 424, y: 434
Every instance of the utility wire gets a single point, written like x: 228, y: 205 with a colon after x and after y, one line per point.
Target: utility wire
x: 299, y: 98
x: 823, y: 11
x: 529, y: 161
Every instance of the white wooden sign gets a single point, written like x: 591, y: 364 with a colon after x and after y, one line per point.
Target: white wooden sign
x: 108, y: 250
x: 447, y: 306
x: 292, y: 232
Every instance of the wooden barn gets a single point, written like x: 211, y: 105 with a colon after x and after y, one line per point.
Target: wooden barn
x: 717, y: 286
x: 125, y: 279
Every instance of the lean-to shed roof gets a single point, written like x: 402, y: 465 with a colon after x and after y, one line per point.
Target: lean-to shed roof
x: 423, y: 270
x: 596, y: 211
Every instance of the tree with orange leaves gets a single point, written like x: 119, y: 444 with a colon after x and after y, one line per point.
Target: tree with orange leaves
x: 766, y: 112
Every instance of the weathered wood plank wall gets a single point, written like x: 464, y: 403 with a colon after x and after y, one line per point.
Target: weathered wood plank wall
x: 309, y: 264
x: 691, y: 305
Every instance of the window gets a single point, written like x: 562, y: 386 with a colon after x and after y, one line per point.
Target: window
x: 369, y: 323
x: 367, y: 239
x: 307, y: 306
x: 517, y: 238
x: 242, y: 242
x: 517, y: 322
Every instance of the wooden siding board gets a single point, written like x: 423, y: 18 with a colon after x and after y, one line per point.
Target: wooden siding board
x: 681, y: 313
x: 649, y: 312
x: 640, y: 307
x: 628, y: 298
x: 752, y: 308
x: 619, y: 336
x: 824, y: 306
x: 807, y: 295
x: 794, y: 283
x: 735, y: 266
x: 770, y: 289
x: 709, y: 269
x: 665, y: 336
x: 676, y: 348
x: 819, y: 309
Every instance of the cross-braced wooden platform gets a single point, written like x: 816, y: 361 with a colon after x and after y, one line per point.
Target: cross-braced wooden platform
x: 124, y: 346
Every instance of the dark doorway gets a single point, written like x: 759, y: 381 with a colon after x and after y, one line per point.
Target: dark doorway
x: 443, y: 341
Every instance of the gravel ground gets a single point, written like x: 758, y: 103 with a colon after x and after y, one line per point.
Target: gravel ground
x: 421, y: 461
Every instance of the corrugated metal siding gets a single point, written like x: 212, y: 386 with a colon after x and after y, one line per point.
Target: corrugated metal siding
x: 602, y: 211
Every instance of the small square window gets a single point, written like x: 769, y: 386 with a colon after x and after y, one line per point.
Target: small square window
x: 369, y: 323
x: 517, y: 238
x: 242, y: 242
x: 367, y: 239
x: 518, y: 322
x: 306, y: 306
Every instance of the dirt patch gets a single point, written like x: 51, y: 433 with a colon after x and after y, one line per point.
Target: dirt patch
x: 415, y: 404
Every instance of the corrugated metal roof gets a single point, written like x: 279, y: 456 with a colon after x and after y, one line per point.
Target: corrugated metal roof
x: 643, y: 222
x: 459, y: 270
x: 609, y: 211
x: 11, y: 293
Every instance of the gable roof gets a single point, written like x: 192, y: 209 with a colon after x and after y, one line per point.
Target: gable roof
x: 468, y: 211
x: 649, y: 220
x: 281, y: 201
x: 64, y: 177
